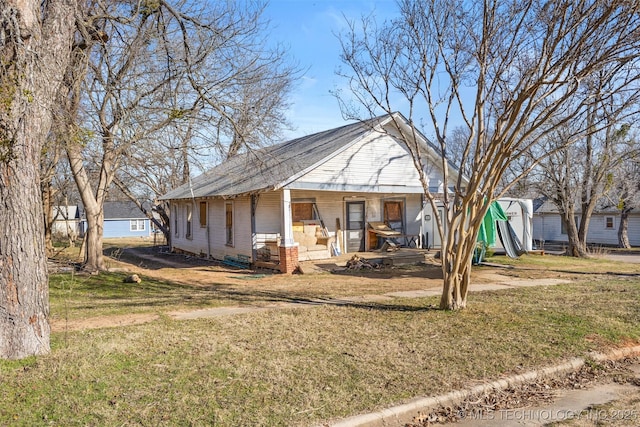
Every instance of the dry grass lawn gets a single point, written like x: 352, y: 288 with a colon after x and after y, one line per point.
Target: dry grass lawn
x: 302, y: 366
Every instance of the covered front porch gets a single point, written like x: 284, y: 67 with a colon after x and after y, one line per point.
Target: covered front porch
x: 323, y: 225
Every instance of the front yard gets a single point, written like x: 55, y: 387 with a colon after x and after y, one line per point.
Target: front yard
x: 300, y: 366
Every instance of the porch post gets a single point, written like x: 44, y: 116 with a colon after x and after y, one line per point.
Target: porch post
x: 288, y: 247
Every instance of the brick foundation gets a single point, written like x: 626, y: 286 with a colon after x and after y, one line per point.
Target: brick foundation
x: 288, y: 259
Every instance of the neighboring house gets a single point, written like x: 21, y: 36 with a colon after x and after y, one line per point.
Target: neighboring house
x: 67, y: 222
x: 125, y: 219
x: 603, y: 226
x: 309, y: 198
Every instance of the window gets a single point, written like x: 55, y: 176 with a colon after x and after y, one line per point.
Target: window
x: 302, y: 211
x: 188, y: 216
x: 137, y: 225
x: 175, y: 220
x: 228, y: 209
x: 393, y: 214
x: 203, y: 214
x: 609, y: 223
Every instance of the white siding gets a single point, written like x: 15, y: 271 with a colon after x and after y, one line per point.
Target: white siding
x: 548, y: 227
x: 377, y: 163
x: 269, y: 213
x: 634, y: 230
x: 211, y: 240
x: 598, y: 233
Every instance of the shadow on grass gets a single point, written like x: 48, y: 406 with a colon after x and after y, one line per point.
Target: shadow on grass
x: 108, y: 291
x: 155, y: 258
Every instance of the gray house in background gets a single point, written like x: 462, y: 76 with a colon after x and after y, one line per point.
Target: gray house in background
x: 309, y: 198
x: 603, y: 227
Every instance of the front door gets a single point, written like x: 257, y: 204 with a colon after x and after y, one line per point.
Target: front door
x: 437, y: 242
x: 355, y: 226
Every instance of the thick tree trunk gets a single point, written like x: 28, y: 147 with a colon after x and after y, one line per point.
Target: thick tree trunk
x: 457, y: 255
x: 94, y: 258
x: 455, y: 286
x: 623, y: 230
x: 33, y: 57
x: 577, y: 247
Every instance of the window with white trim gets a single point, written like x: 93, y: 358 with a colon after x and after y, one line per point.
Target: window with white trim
x: 137, y: 225
x: 609, y: 223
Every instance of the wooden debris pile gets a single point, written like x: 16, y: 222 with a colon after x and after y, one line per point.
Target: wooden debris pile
x: 358, y: 263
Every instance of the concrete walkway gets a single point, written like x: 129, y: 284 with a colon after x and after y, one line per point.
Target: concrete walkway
x: 630, y: 257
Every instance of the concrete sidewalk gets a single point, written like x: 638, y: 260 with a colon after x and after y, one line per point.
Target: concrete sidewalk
x: 570, y: 403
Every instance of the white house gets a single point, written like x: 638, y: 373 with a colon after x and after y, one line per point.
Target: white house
x: 67, y: 221
x: 309, y: 198
x: 603, y: 226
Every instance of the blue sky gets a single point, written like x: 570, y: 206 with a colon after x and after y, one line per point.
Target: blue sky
x: 309, y: 28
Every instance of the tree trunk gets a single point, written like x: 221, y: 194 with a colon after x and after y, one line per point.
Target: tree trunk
x: 459, y: 245
x: 623, y: 229
x: 93, y: 206
x: 94, y: 258
x: 48, y: 219
x: 577, y: 248
x: 456, y: 280
x: 32, y: 60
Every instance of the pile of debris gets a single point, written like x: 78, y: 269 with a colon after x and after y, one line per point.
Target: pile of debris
x: 358, y: 263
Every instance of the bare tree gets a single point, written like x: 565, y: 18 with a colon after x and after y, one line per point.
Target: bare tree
x: 578, y: 177
x: 156, y: 167
x: 507, y: 69
x: 625, y: 192
x: 35, y: 41
x: 164, y: 64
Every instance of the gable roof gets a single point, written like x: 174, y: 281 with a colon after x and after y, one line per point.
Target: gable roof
x: 275, y: 166
x: 544, y: 205
x: 122, y: 210
x: 66, y: 212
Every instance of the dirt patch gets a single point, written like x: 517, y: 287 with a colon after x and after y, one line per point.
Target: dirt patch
x: 101, y: 322
x: 199, y: 271
x: 257, y: 289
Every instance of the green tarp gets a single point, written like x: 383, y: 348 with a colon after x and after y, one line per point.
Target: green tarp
x: 488, y: 231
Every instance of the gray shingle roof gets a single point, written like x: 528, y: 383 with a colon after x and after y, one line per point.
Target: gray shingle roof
x: 122, y: 210
x: 267, y: 168
x: 272, y: 167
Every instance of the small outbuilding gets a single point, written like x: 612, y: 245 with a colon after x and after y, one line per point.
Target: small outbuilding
x: 67, y: 222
